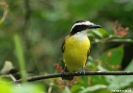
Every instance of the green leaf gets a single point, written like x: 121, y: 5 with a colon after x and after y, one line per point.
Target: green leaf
x: 112, y: 56
x: 28, y: 88
x: 5, y: 87
x: 122, y: 81
x: 107, y: 78
x: 75, y: 88
x: 20, y: 56
x: 103, y: 32
x: 100, y: 32
x: 96, y: 32
x: 100, y: 68
x: 129, y: 67
x: 66, y: 90
x: 93, y: 88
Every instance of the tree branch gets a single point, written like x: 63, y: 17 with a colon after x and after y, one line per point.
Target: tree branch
x: 35, y: 78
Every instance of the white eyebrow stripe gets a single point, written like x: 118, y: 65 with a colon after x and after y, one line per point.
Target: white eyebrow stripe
x: 82, y: 23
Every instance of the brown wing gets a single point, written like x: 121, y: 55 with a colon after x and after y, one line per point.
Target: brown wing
x: 63, y: 44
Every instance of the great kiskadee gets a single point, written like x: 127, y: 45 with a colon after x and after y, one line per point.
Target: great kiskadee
x: 76, y: 47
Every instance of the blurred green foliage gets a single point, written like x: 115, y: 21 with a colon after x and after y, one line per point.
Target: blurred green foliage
x: 41, y: 26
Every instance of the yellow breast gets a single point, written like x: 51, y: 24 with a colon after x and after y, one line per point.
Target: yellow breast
x: 75, y: 54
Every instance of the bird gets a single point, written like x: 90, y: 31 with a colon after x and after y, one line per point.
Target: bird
x: 76, y: 47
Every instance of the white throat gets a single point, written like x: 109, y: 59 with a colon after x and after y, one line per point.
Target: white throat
x: 81, y: 35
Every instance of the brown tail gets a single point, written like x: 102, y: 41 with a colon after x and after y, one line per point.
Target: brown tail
x: 66, y: 77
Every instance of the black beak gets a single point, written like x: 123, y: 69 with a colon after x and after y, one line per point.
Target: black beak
x: 95, y: 26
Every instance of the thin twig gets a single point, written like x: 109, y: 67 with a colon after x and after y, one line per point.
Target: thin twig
x: 50, y: 87
x: 14, y: 79
x: 35, y: 78
x: 5, y: 7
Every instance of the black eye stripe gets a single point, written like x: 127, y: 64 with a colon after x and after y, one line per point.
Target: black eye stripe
x: 81, y: 26
x: 78, y: 28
